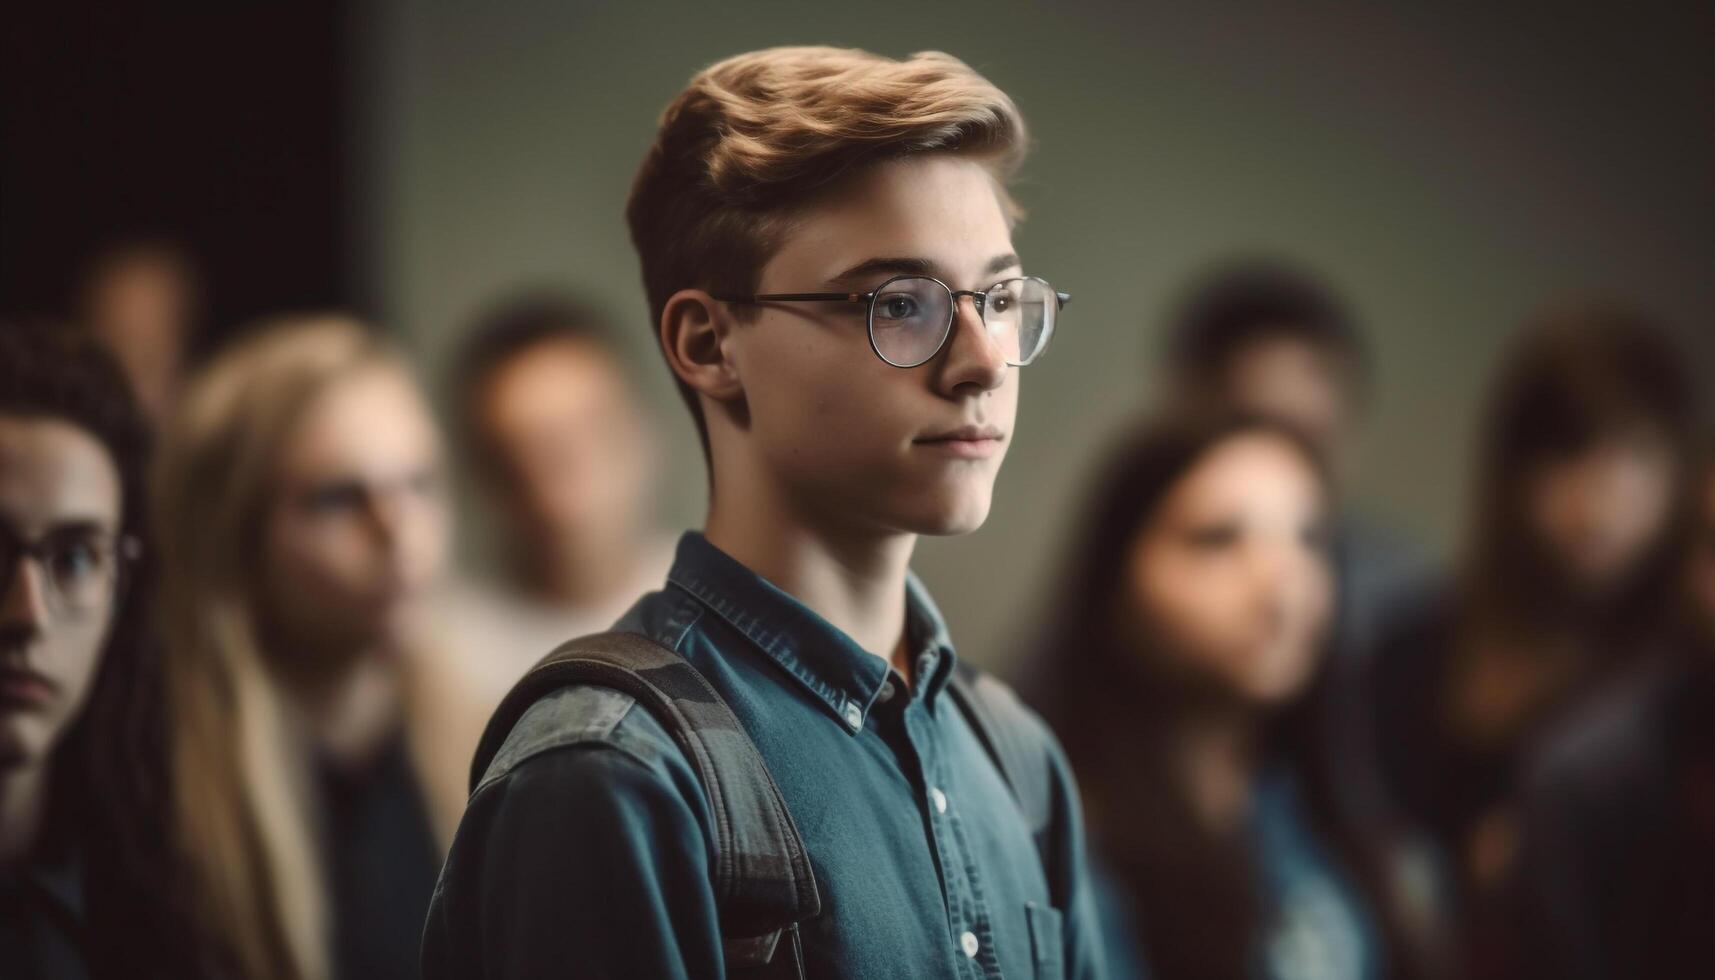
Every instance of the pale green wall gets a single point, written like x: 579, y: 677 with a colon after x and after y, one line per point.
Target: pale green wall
x: 1450, y: 173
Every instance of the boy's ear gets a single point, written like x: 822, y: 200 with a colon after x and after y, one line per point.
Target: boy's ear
x: 694, y: 328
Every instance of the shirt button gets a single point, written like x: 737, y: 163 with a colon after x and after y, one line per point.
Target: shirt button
x: 940, y: 800
x: 968, y: 943
x: 854, y: 715
x: 886, y: 693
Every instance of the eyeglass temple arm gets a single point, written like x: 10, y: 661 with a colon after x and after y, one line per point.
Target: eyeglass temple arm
x: 794, y: 298
x: 1064, y: 299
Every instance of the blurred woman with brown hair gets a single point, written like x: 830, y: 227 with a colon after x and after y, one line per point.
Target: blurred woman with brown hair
x: 1616, y: 868
x: 319, y: 744
x: 1565, y: 579
x: 1186, y: 676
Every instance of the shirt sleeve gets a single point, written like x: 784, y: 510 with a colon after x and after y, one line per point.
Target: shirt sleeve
x: 584, y: 861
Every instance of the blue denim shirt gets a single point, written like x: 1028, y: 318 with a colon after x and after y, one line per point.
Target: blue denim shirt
x: 589, y: 854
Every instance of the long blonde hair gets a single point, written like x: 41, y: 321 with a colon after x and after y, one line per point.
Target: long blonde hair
x: 241, y: 786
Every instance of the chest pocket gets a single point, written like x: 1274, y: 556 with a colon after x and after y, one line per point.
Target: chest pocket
x: 1047, y: 945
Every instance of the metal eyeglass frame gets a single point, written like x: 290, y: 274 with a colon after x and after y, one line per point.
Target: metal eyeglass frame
x: 978, y: 299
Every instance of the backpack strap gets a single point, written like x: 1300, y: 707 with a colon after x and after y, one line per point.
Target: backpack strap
x: 763, y: 883
x: 1002, y: 724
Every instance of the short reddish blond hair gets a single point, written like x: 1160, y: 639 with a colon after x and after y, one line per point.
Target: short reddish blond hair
x: 753, y: 137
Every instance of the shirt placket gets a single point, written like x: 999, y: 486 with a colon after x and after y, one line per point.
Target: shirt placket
x: 970, y: 925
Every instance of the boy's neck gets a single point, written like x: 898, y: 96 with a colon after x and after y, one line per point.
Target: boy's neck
x: 855, y: 580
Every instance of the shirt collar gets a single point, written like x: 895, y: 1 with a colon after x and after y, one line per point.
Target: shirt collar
x: 823, y: 659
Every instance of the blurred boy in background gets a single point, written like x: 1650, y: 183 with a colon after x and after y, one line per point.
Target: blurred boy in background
x: 143, y: 300
x: 556, y: 436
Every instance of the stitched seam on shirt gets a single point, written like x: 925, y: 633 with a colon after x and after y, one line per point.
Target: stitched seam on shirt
x: 586, y: 743
x: 751, y: 628
x: 685, y: 614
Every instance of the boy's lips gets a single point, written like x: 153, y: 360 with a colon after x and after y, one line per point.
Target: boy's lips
x: 967, y: 441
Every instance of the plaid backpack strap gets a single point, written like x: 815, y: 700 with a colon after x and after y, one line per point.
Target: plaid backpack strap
x: 1003, y: 725
x: 762, y: 878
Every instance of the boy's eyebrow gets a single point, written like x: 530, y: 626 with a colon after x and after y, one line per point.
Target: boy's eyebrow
x: 893, y: 266
x: 912, y: 266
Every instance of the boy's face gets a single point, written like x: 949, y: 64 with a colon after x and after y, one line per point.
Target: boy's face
x: 849, y: 438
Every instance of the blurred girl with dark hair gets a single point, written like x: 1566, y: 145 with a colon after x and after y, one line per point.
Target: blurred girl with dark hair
x: 86, y: 883
x: 1616, y: 869
x: 1565, y: 581
x: 1187, y: 669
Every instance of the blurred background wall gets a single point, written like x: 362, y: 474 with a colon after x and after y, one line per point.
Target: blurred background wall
x: 1449, y: 169
x: 226, y: 129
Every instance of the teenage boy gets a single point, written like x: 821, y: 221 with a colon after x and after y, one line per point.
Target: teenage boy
x: 827, y: 250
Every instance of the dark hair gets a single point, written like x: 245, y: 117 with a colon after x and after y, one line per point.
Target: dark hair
x: 1196, y: 908
x: 508, y: 330
x: 108, y: 780
x: 1579, y: 373
x: 1257, y: 299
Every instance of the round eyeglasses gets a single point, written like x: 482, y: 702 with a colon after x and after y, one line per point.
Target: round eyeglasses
x: 911, y: 317
x: 82, y: 570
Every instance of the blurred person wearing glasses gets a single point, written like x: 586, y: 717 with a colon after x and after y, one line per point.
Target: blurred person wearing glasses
x: 319, y: 737
x: 1187, y: 674
x: 827, y: 248
x: 556, y: 435
x: 86, y: 887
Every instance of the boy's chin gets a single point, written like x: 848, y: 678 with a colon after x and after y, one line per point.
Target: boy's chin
x: 948, y: 518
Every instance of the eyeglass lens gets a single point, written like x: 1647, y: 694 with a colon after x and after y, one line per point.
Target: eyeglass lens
x: 910, y: 318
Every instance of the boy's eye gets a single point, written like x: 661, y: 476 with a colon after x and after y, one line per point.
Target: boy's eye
x: 897, y: 306
x: 1000, y: 301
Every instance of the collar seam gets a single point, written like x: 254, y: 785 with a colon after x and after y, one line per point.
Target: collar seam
x: 769, y: 643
